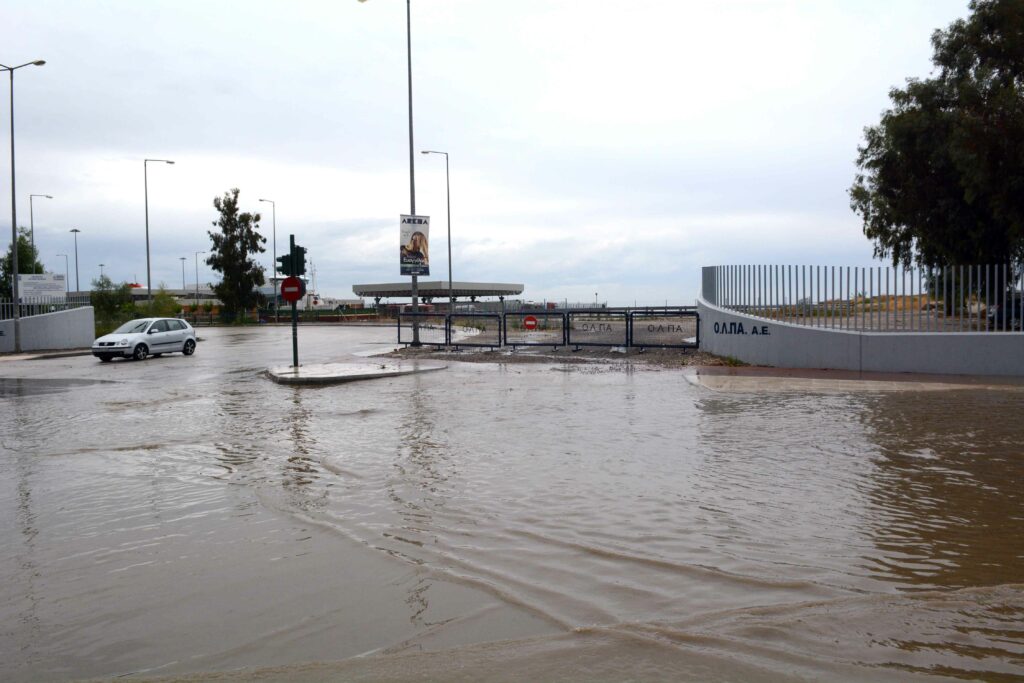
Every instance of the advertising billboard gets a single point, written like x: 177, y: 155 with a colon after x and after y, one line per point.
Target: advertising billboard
x: 414, y: 254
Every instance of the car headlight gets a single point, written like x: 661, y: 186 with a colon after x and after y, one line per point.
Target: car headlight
x: 123, y: 342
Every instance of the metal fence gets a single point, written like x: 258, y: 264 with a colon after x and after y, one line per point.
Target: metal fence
x: 664, y: 329
x: 597, y: 328
x: 37, y: 305
x: 648, y: 328
x: 432, y: 328
x: 534, y: 328
x: 474, y: 329
x: 968, y: 298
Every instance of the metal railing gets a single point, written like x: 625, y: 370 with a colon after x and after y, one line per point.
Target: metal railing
x: 38, y: 305
x: 669, y: 328
x: 968, y: 298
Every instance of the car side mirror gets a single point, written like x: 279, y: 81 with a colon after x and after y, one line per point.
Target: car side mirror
x: 152, y: 332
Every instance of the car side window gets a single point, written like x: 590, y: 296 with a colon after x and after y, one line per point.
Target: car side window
x: 176, y: 324
x: 159, y: 326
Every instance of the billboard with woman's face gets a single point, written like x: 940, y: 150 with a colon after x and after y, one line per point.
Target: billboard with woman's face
x: 414, y: 235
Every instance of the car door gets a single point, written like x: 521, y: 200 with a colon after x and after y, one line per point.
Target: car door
x: 158, y: 337
x: 175, y: 335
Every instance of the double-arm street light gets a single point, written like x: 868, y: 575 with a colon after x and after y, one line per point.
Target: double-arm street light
x: 448, y: 194
x: 273, y: 264
x: 75, y: 231
x: 32, y: 218
x: 145, y: 181
x: 14, y: 212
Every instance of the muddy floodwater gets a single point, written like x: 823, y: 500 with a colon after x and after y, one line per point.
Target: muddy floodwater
x: 181, y: 517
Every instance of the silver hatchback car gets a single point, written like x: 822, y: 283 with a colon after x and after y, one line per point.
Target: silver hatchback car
x: 145, y: 337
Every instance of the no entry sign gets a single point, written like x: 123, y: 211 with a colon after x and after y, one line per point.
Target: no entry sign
x: 291, y: 289
x: 530, y: 322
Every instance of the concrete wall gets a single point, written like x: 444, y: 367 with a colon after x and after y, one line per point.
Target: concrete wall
x: 766, y: 342
x: 74, y: 329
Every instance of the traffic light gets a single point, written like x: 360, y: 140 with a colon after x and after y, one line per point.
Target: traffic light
x: 284, y: 264
x: 300, y: 260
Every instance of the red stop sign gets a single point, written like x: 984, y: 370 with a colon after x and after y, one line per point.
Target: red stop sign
x: 291, y: 289
x: 530, y: 322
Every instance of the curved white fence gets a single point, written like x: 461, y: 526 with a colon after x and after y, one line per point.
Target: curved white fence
x: 772, y: 331
x: 880, y: 299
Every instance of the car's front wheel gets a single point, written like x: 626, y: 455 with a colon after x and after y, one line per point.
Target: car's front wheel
x: 140, y: 352
x: 189, y: 348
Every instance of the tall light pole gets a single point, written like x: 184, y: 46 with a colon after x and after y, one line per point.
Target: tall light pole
x: 197, y: 278
x: 273, y: 266
x: 182, y: 259
x: 32, y: 218
x: 14, y: 213
x: 67, y: 275
x: 101, y: 270
x: 448, y: 194
x: 76, y: 231
x: 412, y: 163
x: 145, y: 182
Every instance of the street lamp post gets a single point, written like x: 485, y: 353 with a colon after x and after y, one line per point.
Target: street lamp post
x: 145, y: 182
x: 14, y: 213
x: 412, y: 164
x: 76, y: 231
x: 32, y: 219
x: 273, y: 267
x: 448, y: 194
x: 67, y: 275
x: 101, y: 270
x: 182, y: 259
x: 197, y: 278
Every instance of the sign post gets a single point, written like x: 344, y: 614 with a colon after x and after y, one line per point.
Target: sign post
x: 292, y: 289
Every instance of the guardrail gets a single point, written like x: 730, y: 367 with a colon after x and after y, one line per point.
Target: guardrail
x: 968, y: 298
x: 677, y: 328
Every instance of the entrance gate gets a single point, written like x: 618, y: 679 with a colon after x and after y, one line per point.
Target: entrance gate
x: 656, y: 328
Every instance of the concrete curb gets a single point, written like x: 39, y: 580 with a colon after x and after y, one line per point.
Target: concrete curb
x: 339, y: 373
x: 43, y: 355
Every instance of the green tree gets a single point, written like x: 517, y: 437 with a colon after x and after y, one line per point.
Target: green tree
x: 941, y: 178
x: 231, y: 255
x: 28, y: 262
x: 163, y: 305
x: 112, y: 304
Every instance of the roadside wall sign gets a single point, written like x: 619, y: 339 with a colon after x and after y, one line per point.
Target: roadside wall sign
x: 49, y: 285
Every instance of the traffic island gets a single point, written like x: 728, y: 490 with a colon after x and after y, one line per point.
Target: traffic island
x: 338, y: 373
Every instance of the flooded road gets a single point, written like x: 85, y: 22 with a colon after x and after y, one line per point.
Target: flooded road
x: 499, y: 522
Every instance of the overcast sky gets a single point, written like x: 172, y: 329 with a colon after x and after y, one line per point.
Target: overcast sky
x: 595, y: 146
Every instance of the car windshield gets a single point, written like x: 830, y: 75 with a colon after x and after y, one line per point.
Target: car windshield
x: 132, y: 326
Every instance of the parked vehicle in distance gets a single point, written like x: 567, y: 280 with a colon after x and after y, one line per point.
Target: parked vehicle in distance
x: 146, y: 337
x: 1008, y: 317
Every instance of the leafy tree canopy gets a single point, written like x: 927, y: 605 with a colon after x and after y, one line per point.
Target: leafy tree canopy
x: 112, y: 304
x: 28, y: 261
x: 941, y: 178
x: 233, y: 248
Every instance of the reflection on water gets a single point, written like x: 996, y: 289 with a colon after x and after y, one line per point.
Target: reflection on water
x: 947, y: 492
x: 570, y: 522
